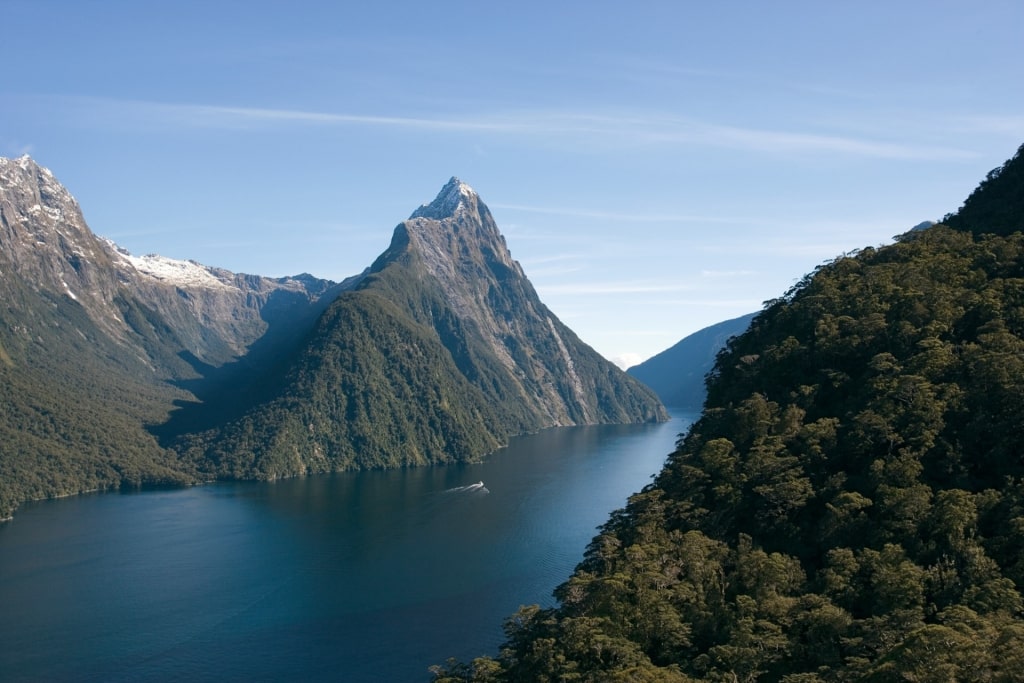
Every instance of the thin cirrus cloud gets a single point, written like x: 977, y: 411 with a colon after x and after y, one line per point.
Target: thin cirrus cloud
x: 615, y: 216
x: 604, y: 288
x: 1009, y: 125
x: 634, y: 128
x: 727, y: 273
x: 559, y: 264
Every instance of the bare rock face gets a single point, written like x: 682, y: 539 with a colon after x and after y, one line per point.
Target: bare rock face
x: 441, y: 352
x: 45, y: 242
x: 214, y: 314
x: 145, y: 368
x: 462, y: 248
x: 458, y: 245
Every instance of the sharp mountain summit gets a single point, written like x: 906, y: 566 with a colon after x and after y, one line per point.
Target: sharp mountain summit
x: 123, y: 370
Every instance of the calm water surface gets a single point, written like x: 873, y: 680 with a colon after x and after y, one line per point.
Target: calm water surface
x: 368, y: 576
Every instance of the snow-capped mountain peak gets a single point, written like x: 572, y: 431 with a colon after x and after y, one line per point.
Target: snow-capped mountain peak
x: 455, y: 197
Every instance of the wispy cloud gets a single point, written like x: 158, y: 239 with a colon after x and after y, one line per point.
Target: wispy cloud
x: 217, y: 116
x: 749, y: 304
x: 668, y: 75
x: 727, y: 273
x: 1010, y: 125
x: 585, y: 288
x: 769, y: 248
x: 552, y: 266
x: 633, y: 128
x: 544, y: 272
x: 788, y: 142
x: 555, y: 258
x: 616, y: 216
x: 627, y: 360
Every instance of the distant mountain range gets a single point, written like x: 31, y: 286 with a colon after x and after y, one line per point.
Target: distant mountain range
x: 124, y: 370
x: 677, y: 373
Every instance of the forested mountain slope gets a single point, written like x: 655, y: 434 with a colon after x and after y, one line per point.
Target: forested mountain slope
x: 119, y: 370
x: 850, y: 506
x: 997, y: 206
x: 78, y: 386
x: 97, y: 347
x: 440, y: 353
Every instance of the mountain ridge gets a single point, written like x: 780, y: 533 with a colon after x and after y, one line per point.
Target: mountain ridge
x: 447, y: 291
x: 677, y: 374
x: 155, y: 370
x: 48, y: 243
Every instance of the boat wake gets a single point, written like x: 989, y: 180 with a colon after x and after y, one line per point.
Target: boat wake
x: 472, y: 488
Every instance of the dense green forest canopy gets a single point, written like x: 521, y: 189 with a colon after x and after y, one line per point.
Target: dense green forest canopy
x: 75, y: 407
x: 850, y: 506
x: 997, y: 205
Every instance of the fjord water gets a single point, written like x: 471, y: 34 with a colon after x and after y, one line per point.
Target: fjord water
x: 368, y: 576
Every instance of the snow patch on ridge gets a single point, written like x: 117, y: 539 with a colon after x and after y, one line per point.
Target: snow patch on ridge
x: 68, y: 291
x: 172, y: 271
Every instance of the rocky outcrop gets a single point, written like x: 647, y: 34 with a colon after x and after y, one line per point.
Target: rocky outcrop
x: 215, y: 315
x: 45, y: 243
x: 461, y: 248
x: 132, y: 369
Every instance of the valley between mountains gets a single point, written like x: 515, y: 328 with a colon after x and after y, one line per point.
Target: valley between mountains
x: 121, y: 370
x: 848, y: 507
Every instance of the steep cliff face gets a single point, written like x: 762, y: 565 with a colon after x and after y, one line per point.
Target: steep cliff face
x: 45, y: 243
x: 97, y: 346
x: 155, y: 308
x: 126, y: 369
x: 441, y: 352
x: 462, y: 250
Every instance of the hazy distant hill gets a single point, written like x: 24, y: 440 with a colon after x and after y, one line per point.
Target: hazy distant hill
x: 124, y: 370
x: 677, y: 373
x: 850, y: 505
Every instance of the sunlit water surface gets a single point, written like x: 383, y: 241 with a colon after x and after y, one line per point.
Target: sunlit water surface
x: 369, y: 576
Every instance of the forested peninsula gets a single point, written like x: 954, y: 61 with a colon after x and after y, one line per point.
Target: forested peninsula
x: 850, y: 505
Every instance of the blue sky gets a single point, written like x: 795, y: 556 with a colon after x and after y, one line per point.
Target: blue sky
x: 656, y: 167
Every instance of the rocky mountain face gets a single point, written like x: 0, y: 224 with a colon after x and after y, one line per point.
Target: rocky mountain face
x: 124, y: 370
x: 97, y: 346
x: 455, y: 241
x: 211, y: 314
x: 441, y: 352
x: 217, y: 315
x: 46, y: 242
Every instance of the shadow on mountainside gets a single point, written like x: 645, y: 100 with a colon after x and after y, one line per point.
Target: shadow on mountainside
x: 226, y: 392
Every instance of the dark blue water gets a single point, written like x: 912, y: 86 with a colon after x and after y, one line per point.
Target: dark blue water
x: 370, y: 576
